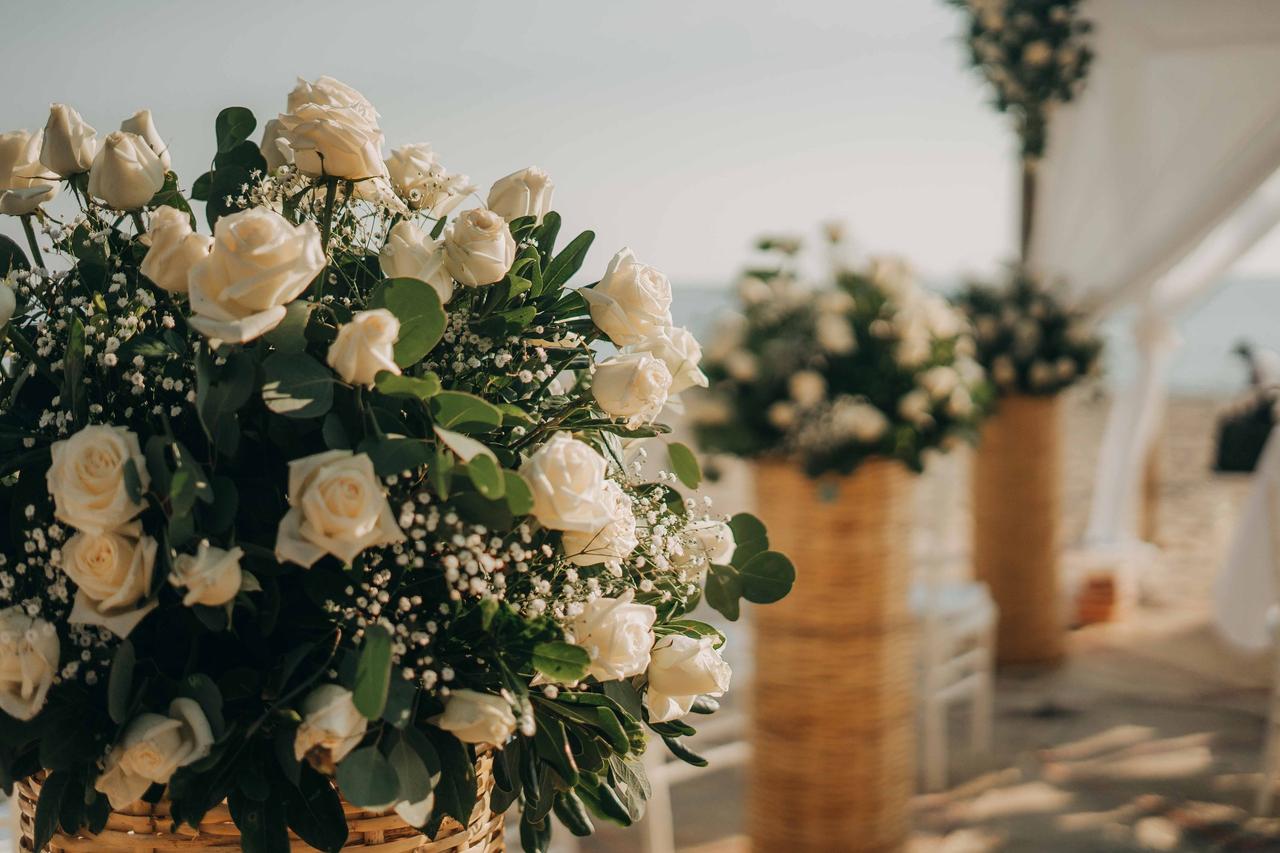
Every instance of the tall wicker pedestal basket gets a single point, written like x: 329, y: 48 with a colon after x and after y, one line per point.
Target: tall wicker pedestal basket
x: 1017, y: 506
x: 833, y: 727
x: 144, y: 828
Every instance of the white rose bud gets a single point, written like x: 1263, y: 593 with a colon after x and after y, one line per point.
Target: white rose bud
x: 681, y: 670
x: 617, y: 633
x: 143, y: 125
x: 331, y: 727
x: 70, y: 144
x: 915, y: 407
x: 807, y: 388
x: 681, y: 353
x: 29, y: 654
x: 8, y: 304
x: 567, y: 477
x: 633, y: 386
x: 523, y: 193
x: 834, y: 334
x: 476, y: 717
x: 174, y: 249
x: 703, y: 543
x: 410, y: 252
x: 87, y: 478
x: 479, y: 248
x: 365, y: 346
x: 329, y: 92
x: 113, y: 572
x: 939, y: 382
x: 259, y: 263
x: 337, y: 506
x: 126, y: 174
x: 613, y: 541
x: 333, y: 141
x: 25, y: 182
x: 632, y: 302
x: 152, y: 749
x: 211, y: 576
x: 423, y: 184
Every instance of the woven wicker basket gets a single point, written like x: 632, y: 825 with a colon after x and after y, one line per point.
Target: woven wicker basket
x: 1017, y: 507
x: 144, y: 828
x: 833, y: 726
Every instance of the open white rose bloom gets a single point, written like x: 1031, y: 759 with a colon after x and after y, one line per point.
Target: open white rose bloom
x: 283, y: 529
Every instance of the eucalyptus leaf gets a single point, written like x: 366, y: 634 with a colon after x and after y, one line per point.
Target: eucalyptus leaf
x: 373, y: 672
x: 367, y: 779
x: 296, y: 385
x: 685, y: 464
x: 767, y: 577
x: 422, y: 318
x: 561, y: 661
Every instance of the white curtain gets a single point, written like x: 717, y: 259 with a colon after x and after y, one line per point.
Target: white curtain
x: 1155, y: 182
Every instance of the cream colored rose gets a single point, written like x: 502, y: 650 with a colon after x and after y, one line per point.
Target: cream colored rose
x: 475, y: 717
x: 70, y: 144
x: 422, y: 183
x: 681, y: 353
x: 613, y: 541
x: 87, y: 477
x: 567, y: 477
x: 960, y: 403
x: 152, y: 749
x: 523, y: 193
x: 211, y: 576
x: 144, y: 125
x: 29, y: 655
x: 126, y: 174
x: 861, y: 420
x: 113, y: 572
x: 1037, y: 54
x: 939, y: 381
x: 332, y: 141
x: 174, y: 249
x: 916, y: 406
x: 834, y: 334
x: 1003, y: 372
x: 807, y: 388
x: 632, y: 302
x: 331, y: 727
x: 479, y: 248
x: 329, y: 92
x: 704, y: 543
x: 260, y: 262
x: 631, y: 386
x: 337, y: 506
x: 410, y: 252
x: 274, y: 147
x: 681, y: 670
x: 8, y: 304
x: 365, y: 346
x: 25, y: 182
x: 617, y: 633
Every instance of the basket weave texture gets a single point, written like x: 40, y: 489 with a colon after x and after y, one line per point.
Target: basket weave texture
x: 833, y: 726
x: 145, y: 828
x: 1017, y: 510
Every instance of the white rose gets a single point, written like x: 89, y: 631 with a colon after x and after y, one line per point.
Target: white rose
x: 69, y: 142
x: 113, y: 572
x: 617, y: 633
x: 29, y: 654
x: 834, y: 334
x: 523, y: 193
x: 915, y: 406
x: 939, y: 381
x: 781, y: 415
x: 211, y: 575
x: 703, y: 543
x: 126, y: 173
x: 863, y: 421
x: 613, y: 541
x: 479, y: 248
x: 892, y: 276
x: 1040, y: 374
x: 410, y: 252
x: 681, y: 353
x: 742, y: 366
x: 174, y: 249
x: 331, y: 727
x: 337, y: 506
x: 753, y: 290
x: 567, y: 477
x: 87, y: 477
x: 8, y: 304
x: 1066, y: 368
x: 259, y: 263
x: 152, y: 749
x: 25, y: 182
x: 681, y: 670
x: 1002, y: 370
x: 143, y: 125
x: 419, y: 179
x: 632, y: 302
x: 960, y: 403
x: 274, y: 147
x: 475, y: 717
x: 914, y: 347
x: 332, y: 141
x: 365, y: 346
x: 328, y: 92
x: 807, y: 388
x: 633, y: 386
x: 1037, y: 53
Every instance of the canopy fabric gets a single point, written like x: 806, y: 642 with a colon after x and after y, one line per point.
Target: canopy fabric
x: 1150, y: 191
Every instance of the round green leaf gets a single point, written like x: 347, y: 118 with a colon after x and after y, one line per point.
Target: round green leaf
x: 486, y: 476
x: 457, y: 410
x: 233, y: 126
x: 367, y: 779
x: 685, y: 464
x: 767, y: 577
x: 561, y: 661
x: 296, y: 385
x: 422, y: 319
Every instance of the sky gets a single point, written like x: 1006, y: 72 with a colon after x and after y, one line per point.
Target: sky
x: 680, y: 129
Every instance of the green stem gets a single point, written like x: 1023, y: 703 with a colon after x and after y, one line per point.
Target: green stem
x: 138, y: 225
x: 36, y: 257
x: 326, y: 229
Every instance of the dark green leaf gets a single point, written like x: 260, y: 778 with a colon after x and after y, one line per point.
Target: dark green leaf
x: 393, y: 455
x: 685, y: 464
x: 314, y: 812
x: 422, y: 318
x: 120, y: 682
x: 233, y: 126
x: 561, y: 661
x: 367, y: 779
x: 519, y: 497
x: 291, y: 335
x: 458, y: 410
x: 296, y: 385
x: 415, y: 778
x: 565, y: 264
x: 262, y: 824
x: 749, y: 536
x: 373, y: 673
x: 486, y: 476
x: 723, y: 590
x: 423, y: 388
x: 456, y: 791
x: 49, y: 805
x: 767, y: 577
x: 11, y: 257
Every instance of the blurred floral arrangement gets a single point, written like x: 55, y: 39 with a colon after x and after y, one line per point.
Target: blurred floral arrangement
x: 282, y: 528
x: 1028, y: 341
x: 1034, y: 54
x: 869, y: 365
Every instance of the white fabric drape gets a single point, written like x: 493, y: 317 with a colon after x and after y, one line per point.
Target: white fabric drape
x: 1149, y: 191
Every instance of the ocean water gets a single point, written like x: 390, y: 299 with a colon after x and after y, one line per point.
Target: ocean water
x: 1242, y: 309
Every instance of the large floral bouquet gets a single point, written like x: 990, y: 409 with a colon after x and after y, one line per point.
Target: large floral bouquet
x: 337, y: 497
x: 1029, y: 341
x: 872, y: 365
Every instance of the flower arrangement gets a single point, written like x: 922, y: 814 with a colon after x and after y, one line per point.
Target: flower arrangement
x: 1033, y: 53
x: 1028, y: 340
x: 872, y: 365
x: 326, y: 502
